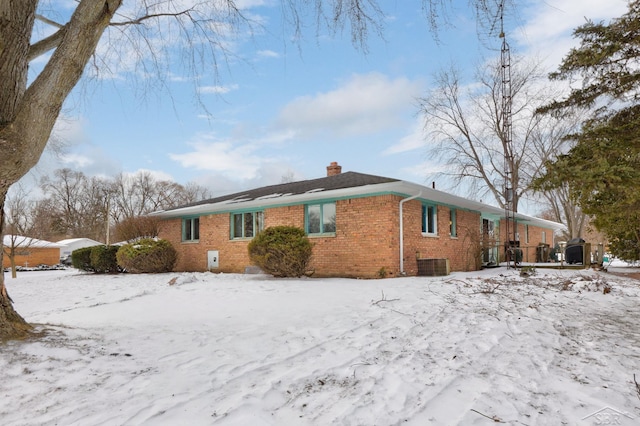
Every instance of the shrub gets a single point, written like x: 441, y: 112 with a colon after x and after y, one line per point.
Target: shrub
x: 103, y: 259
x: 99, y: 259
x: 282, y: 251
x: 81, y: 259
x: 147, y: 256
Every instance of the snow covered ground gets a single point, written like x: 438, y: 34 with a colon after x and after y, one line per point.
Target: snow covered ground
x: 558, y: 348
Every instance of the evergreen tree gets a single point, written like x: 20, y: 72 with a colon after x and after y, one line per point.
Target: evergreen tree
x: 603, y: 167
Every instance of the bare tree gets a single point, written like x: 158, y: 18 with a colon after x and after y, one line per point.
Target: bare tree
x: 45, y: 223
x: 141, y: 193
x: 74, y: 205
x: 133, y: 228
x: 192, y: 193
x: 19, y: 226
x: 19, y: 212
x: 131, y: 194
x: 465, y: 129
x: 79, y: 204
x: 564, y: 209
x: 547, y: 141
x: 171, y: 194
x: 288, y: 177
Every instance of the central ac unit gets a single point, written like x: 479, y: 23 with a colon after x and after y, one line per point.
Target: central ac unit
x: 433, y: 267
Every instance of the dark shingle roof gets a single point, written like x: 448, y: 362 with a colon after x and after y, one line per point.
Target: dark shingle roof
x: 339, y: 181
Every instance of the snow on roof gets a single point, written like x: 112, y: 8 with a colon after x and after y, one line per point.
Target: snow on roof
x: 69, y: 241
x: 275, y: 195
x: 22, y: 241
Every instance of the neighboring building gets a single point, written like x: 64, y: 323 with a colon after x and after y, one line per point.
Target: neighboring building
x: 71, y: 244
x: 30, y: 251
x: 361, y: 226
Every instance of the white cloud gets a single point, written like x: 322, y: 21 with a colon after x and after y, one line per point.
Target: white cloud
x: 364, y: 104
x: 156, y: 174
x: 237, y: 159
x: 427, y: 169
x: 248, y: 4
x: 75, y: 161
x: 67, y: 132
x: 550, y: 24
x: 278, y: 137
x: 268, y: 54
x: 218, y: 89
x: 270, y: 172
x: 414, y: 140
x: 178, y: 78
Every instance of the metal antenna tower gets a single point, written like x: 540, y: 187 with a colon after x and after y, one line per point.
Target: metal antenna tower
x: 507, y: 141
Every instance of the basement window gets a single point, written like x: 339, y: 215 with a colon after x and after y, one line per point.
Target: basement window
x: 191, y: 229
x: 429, y: 219
x: 321, y: 218
x: 247, y: 224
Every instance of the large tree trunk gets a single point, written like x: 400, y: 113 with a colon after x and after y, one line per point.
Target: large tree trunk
x: 28, y: 113
x: 12, y: 325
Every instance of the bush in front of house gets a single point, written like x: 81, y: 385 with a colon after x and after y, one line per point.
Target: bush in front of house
x: 99, y: 259
x: 147, y: 256
x: 103, y: 259
x: 282, y: 251
x: 81, y: 259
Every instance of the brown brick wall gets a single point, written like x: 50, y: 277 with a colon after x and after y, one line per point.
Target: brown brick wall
x: 33, y: 256
x: 529, y: 245
x: 215, y: 235
x: 362, y: 245
x: 366, y: 242
x: 461, y: 250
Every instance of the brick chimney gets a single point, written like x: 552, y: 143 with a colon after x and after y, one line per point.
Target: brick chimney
x: 334, y: 169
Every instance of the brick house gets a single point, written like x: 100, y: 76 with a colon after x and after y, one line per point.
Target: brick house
x: 361, y: 226
x: 29, y: 251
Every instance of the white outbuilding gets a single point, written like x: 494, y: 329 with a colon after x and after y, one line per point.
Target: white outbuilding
x: 71, y: 244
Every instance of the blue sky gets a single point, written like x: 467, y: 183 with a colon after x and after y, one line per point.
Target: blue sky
x: 277, y: 108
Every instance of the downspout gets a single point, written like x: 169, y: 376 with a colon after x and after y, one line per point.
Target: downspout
x: 401, y: 231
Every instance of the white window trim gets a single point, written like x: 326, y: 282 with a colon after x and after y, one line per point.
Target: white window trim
x: 425, y: 222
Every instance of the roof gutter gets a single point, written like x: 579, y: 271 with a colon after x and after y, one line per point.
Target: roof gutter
x: 402, y: 272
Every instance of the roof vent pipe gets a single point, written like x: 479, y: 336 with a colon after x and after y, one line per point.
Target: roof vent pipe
x: 402, y: 272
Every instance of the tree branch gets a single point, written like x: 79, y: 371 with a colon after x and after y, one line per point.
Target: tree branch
x: 40, y: 105
x: 46, y: 20
x: 46, y: 44
x: 151, y: 16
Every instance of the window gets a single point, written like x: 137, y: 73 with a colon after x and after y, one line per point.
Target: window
x: 544, y: 237
x: 526, y: 234
x: 429, y: 219
x: 488, y: 228
x: 191, y: 229
x: 453, y: 226
x: 246, y: 225
x: 321, y: 218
